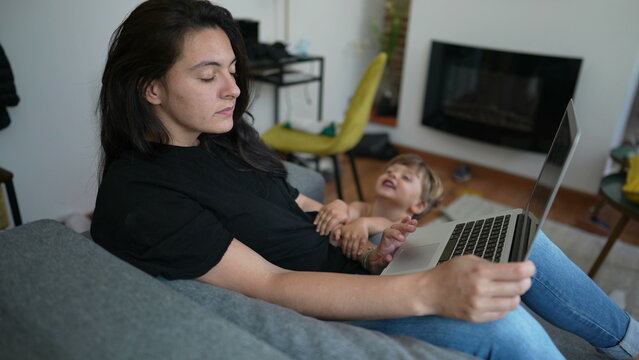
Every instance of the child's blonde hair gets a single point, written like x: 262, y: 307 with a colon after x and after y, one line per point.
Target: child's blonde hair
x: 432, y: 187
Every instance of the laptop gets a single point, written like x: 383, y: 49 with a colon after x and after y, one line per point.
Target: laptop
x: 501, y: 237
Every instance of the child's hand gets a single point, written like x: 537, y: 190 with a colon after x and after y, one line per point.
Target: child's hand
x: 395, y: 236
x: 353, y: 238
x: 331, y: 216
x: 392, y: 239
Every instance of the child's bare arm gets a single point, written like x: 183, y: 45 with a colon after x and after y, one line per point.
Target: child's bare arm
x: 352, y: 238
x: 357, y: 209
x: 377, y: 224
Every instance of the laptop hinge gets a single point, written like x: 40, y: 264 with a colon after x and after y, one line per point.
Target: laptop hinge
x: 520, y: 239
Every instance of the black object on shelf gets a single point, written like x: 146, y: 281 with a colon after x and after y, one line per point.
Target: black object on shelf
x: 250, y: 30
x: 376, y: 146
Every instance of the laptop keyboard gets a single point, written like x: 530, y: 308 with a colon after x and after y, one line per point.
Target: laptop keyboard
x: 484, y: 238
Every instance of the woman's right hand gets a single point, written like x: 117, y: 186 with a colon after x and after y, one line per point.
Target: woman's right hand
x: 476, y: 290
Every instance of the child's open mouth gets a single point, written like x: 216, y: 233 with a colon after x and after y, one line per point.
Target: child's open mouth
x: 388, y: 183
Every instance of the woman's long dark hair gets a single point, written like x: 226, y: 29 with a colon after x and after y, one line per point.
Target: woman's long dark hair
x: 142, y: 49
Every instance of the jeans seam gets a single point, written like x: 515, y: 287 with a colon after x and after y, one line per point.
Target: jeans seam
x: 581, y: 317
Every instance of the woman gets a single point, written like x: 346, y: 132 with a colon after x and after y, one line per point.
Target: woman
x: 189, y: 191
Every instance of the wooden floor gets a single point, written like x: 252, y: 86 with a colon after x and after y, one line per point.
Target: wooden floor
x: 570, y: 207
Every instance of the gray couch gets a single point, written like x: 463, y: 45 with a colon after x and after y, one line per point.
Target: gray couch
x: 64, y: 297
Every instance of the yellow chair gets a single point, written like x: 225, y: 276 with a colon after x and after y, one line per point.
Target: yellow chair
x: 350, y: 133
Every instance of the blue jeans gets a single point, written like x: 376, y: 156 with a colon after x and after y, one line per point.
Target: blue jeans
x: 560, y: 293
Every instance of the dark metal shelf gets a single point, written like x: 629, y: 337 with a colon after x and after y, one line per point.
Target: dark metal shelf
x: 274, y: 72
x: 281, y: 79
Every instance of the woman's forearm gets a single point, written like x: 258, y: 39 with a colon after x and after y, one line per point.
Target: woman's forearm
x: 307, y: 204
x: 466, y: 287
x: 323, y: 295
x: 346, y: 297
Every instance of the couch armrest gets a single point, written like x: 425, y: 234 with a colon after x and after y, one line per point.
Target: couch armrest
x: 303, y: 337
x: 64, y: 297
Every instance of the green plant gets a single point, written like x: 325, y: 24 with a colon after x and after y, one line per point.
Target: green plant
x: 389, y: 33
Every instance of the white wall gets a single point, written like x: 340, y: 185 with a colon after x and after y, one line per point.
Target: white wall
x: 338, y: 30
x: 57, y: 51
x: 604, y: 34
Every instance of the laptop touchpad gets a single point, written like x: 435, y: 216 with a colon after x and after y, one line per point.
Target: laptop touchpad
x: 414, y: 258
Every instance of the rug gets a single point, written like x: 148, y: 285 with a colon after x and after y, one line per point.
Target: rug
x: 619, y: 274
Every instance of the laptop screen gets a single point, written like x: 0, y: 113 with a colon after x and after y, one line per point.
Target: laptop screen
x: 553, y: 169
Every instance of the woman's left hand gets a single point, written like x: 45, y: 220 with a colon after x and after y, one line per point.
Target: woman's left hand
x: 353, y: 238
x: 330, y: 216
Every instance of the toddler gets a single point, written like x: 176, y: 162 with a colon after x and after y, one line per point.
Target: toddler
x: 406, y: 188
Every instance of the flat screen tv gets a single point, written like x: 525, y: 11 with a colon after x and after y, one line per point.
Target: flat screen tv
x: 507, y: 98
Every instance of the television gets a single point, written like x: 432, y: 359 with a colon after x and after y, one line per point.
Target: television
x: 507, y: 98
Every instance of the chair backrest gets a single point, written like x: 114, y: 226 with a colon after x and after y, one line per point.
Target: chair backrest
x: 359, y: 110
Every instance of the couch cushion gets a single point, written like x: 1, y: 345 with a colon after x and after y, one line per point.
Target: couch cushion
x: 63, y: 297
x: 303, y: 337
x: 570, y: 345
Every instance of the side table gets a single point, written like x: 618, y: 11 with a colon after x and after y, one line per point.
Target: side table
x: 610, y: 191
x: 619, y: 155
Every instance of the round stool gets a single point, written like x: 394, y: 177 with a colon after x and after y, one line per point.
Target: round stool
x: 620, y: 155
x: 610, y: 191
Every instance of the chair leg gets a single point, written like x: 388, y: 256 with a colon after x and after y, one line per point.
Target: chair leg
x: 606, y: 249
x: 13, y: 203
x: 356, y: 176
x: 338, y: 181
x: 594, y: 218
x: 597, y: 208
x: 291, y: 157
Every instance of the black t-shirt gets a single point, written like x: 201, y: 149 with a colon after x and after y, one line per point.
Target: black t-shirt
x: 175, y: 215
